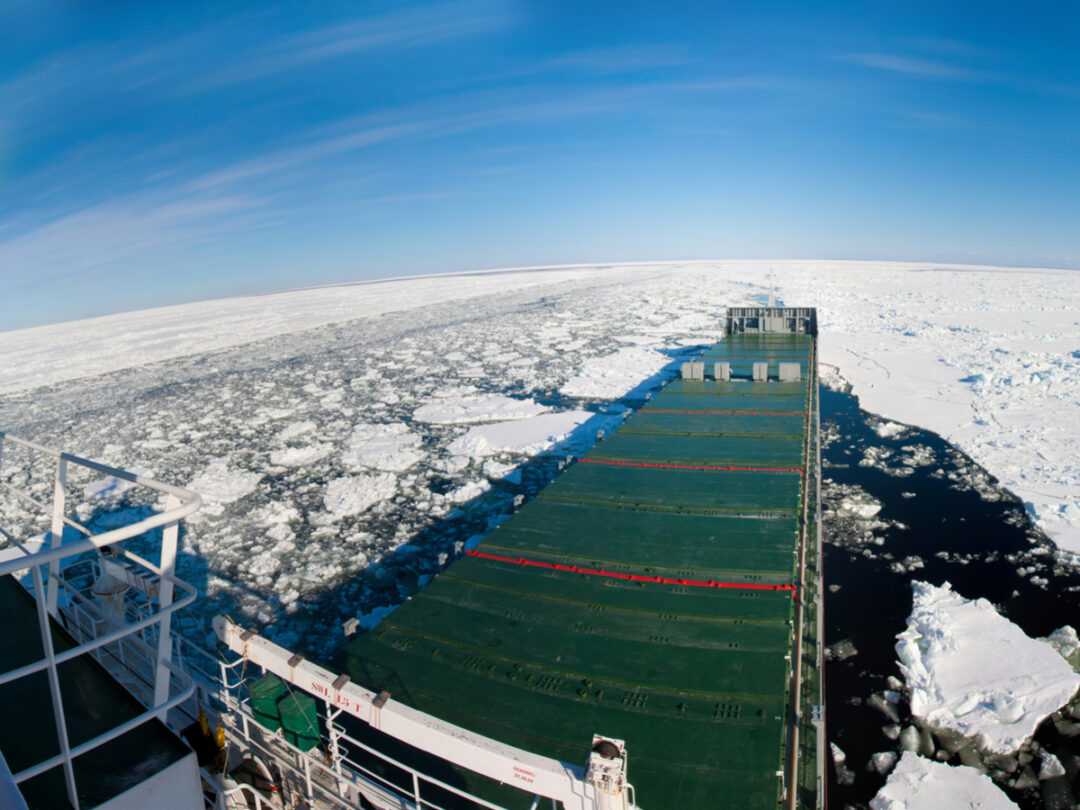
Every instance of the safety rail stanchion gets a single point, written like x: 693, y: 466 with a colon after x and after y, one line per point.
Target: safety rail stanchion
x: 44, y: 566
x: 169, y: 541
x: 56, y: 533
x: 54, y: 688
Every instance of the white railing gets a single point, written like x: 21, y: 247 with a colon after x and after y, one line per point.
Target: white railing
x: 331, y: 774
x: 171, y: 685
x: 537, y: 775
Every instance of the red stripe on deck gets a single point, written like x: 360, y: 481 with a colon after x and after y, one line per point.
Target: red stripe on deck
x: 600, y: 572
x: 689, y: 466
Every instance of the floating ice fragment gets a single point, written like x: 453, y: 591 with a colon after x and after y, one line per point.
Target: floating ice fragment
x: 1064, y: 640
x: 391, y: 447
x: 922, y: 784
x: 111, y: 485
x: 1051, y: 767
x: 220, y: 485
x: 300, y: 456
x: 617, y: 375
x: 568, y: 431
x: 462, y: 410
x: 971, y: 670
x: 884, y: 761
x: 354, y: 494
x: 889, y: 430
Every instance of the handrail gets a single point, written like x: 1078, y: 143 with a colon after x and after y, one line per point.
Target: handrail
x: 508, y: 764
x: 99, y: 641
x: 116, y: 731
x: 189, y: 503
x: 179, y: 503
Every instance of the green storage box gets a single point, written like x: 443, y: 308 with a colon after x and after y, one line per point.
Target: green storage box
x: 299, y: 719
x: 265, y: 694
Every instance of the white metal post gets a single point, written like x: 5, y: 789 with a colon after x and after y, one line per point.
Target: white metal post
x: 169, y: 542
x: 335, y: 753
x: 56, y: 533
x: 54, y: 687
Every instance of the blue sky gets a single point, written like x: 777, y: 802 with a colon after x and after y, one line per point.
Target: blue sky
x: 153, y: 153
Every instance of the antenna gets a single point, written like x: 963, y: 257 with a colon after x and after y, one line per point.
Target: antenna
x: 772, y: 296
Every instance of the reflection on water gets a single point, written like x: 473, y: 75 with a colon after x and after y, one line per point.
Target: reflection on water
x: 902, y: 504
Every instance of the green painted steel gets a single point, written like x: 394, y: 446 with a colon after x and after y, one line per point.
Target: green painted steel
x: 299, y: 719
x: 264, y: 694
x: 520, y: 646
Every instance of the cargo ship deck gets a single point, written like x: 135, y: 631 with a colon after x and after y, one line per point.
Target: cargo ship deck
x: 651, y: 593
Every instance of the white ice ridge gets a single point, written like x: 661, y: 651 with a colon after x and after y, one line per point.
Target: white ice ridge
x: 922, y: 784
x: 537, y: 435
x: 973, y: 671
x: 463, y: 410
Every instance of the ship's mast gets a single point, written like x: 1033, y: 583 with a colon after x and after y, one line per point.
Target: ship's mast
x: 772, y: 296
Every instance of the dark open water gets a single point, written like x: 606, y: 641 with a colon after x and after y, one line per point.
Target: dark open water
x: 949, y: 516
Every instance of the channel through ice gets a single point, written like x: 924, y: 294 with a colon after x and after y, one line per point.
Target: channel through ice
x: 333, y: 432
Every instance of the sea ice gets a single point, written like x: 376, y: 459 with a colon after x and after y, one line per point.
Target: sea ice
x: 468, y: 409
x: 390, y: 447
x: 917, y: 783
x: 624, y: 373
x: 973, y: 671
x: 537, y: 435
x: 300, y: 456
x: 111, y: 485
x: 355, y: 494
x: 219, y: 484
x: 211, y: 392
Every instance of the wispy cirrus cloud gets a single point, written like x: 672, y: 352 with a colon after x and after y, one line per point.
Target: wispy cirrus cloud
x: 443, y: 118
x: 913, y: 66
x: 620, y: 59
x: 416, y: 26
x: 142, y: 225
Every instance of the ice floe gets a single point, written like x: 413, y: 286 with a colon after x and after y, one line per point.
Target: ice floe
x: 917, y: 783
x: 354, y: 494
x: 539, y: 434
x: 626, y: 372
x: 220, y: 484
x: 970, y: 670
x: 454, y: 410
x: 391, y: 447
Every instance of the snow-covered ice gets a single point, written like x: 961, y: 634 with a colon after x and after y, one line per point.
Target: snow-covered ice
x: 391, y: 447
x: 37, y: 356
x: 539, y: 434
x: 612, y: 376
x: 218, y: 485
x: 970, y: 670
x: 271, y: 399
x: 987, y: 357
x: 458, y: 410
x: 917, y: 783
x: 358, y: 493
